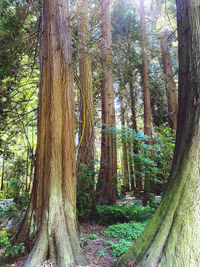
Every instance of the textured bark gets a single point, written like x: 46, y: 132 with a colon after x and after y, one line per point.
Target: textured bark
x: 107, y: 181
x: 172, y: 237
x: 169, y: 81
x: 49, y: 227
x: 86, y: 126
x: 137, y: 165
x: 148, y: 185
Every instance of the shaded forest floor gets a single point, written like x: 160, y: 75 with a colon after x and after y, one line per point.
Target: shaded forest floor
x: 98, y: 253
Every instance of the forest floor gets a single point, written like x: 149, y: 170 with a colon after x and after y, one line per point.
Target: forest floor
x: 98, y: 253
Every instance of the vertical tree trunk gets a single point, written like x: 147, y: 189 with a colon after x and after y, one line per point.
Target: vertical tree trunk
x: 137, y: 164
x: 125, y: 172
x: 3, y: 173
x: 131, y: 172
x: 50, y: 223
x: 169, y: 81
x: 86, y: 126
x: 172, y: 237
x: 107, y: 181
x: 148, y: 185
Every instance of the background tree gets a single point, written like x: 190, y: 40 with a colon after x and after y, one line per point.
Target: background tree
x: 171, y: 238
x: 107, y: 182
x: 148, y: 183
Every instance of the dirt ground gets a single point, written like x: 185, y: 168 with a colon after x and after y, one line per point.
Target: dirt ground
x: 92, y: 249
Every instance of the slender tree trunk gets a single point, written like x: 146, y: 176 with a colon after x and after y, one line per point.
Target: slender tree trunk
x: 169, y: 81
x: 31, y: 172
x: 131, y: 172
x: 148, y: 185
x: 137, y: 163
x: 50, y: 224
x: 107, y: 181
x: 125, y: 172
x: 172, y: 237
x: 27, y: 171
x: 86, y: 126
x: 3, y: 173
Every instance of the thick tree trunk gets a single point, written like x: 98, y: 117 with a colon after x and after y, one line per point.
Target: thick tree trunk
x: 148, y: 185
x: 50, y: 223
x: 86, y: 126
x: 169, y: 81
x: 137, y: 164
x: 107, y: 181
x: 172, y: 237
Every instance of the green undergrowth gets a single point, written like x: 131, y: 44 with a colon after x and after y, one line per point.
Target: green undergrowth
x: 6, y: 246
x: 124, y: 234
x: 117, y: 249
x: 127, y: 231
x: 107, y: 215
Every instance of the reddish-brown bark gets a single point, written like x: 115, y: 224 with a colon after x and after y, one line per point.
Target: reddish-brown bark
x: 107, y: 181
x: 50, y: 225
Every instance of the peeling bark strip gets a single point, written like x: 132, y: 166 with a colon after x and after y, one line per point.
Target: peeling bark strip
x: 107, y: 181
x: 172, y: 238
x: 49, y: 228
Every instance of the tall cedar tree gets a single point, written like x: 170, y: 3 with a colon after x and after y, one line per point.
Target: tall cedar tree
x: 170, y: 84
x: 137, y: 163
x: 147, y: 102
x: 86, y: 128
x: 172, y: 99
x: 50, y: 225
x: 172, y: 237
x: 125, y: 171
x: 107, y: 181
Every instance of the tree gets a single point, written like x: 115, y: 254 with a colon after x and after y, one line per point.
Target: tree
x: 124, y: 160
x: 147, y: 102
x: 86, y: 126
x: 172, y: 237
x: 107, y: 182
x: 169, y: 81
x: 50, y: 224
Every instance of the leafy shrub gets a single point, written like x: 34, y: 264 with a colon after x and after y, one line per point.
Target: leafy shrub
x: 85, y: 193
x: 8, y: 212
x: 92, y: 236
x: 22, y: 200
x: 119, y: 248
x: 8, y: 248
x: 127, y: 231
x: 113, y: 214
x: 101, y: 253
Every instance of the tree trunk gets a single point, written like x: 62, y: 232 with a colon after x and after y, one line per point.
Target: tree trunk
x: 148, y: 185
x: 107, y: 181
x: 172, y: 237
x: 125, y: 172
x: 3, y: 173
x: 86, y: 126
x: 169, y: 81
x: 137, y: 164
x: 50, y: 223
